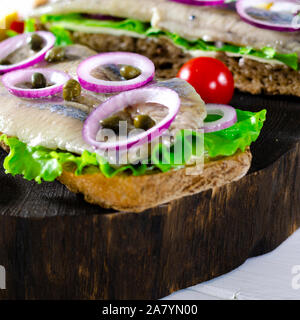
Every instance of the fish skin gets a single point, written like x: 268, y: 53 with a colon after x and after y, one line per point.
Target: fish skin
x: 210, y: 23
x: 192, y: 110
x: 52, y: 123
x: 40, y: 123
x: 57, y: 124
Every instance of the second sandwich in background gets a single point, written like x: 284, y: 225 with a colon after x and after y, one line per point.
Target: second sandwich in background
x: 171, y: 33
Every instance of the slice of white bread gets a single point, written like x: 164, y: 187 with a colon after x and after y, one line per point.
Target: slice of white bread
x: 136, y: 194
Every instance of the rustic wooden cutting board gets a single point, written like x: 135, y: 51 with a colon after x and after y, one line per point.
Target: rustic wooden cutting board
x: 54, y: 245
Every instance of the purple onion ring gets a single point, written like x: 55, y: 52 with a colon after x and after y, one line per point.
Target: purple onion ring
x: 10, y: 45
x: 243, y: 5
x: 163, y: 96
x: 12, y: 79
x: 228, y: 114
x: 91, y: 83
x: 201, y: 2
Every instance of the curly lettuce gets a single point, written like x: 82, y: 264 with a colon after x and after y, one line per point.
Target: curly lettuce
x: 76, y: 22
x: 39, y: 163
x: 63, y: 36
x: 238, y: 137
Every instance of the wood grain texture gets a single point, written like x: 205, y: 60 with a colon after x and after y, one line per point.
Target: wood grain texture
x: 54, y: 245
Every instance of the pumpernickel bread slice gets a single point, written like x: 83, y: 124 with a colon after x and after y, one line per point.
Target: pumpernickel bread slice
x: 136, y: 194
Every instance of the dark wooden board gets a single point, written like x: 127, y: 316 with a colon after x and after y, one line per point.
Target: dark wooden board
x: 54, y: 245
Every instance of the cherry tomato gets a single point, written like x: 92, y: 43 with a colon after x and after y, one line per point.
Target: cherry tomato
x: 210, y: 78
x: 17, y: 26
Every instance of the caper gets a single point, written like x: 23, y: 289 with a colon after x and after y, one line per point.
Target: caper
x: 38, y: 81
x: 112, y: 123
x: 56, y: 54
x: 143, y: 121
x: 35, y: 42
x: 5, y: 62
x: 71, y: 90
x: 129, y: 72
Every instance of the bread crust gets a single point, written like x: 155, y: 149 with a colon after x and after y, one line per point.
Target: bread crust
x: 136, y: 194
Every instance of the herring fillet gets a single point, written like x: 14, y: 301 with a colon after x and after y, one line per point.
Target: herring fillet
x: 51, y: 123
x: 120, y: 8
x: 216, y: 24
x: 57, y: 124
x: 210, y: 24
x: 41, y: 123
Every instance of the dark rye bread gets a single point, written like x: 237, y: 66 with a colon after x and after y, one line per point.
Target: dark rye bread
x: 250, y: 75
x: 167, y: 58
x: 136, y: 194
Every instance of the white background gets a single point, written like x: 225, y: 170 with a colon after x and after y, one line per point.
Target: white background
x: 22, y: 6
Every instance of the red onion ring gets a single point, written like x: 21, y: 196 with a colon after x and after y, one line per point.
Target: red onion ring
x: 12, y: 79
x: 165, y: 96
x: 11, y: 44
x: 91, y: 83
x: 242, y: 5
x: 201, y: 2
x: 228, y: 113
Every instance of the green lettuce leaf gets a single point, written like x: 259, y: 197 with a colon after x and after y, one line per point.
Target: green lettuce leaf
x: 63, y: 36
x: 187, y: 144
x: 39, y: 163
x: 245, y: 131
x: 29, y: 26
x: 78, y: 22
x: 268, y: 53
x: 11, y: 33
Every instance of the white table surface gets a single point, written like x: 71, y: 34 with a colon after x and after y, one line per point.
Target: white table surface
x: 273, y: 276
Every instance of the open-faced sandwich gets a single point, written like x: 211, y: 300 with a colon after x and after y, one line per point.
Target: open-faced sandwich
x: 258, y: 40
x: 105, y: 127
